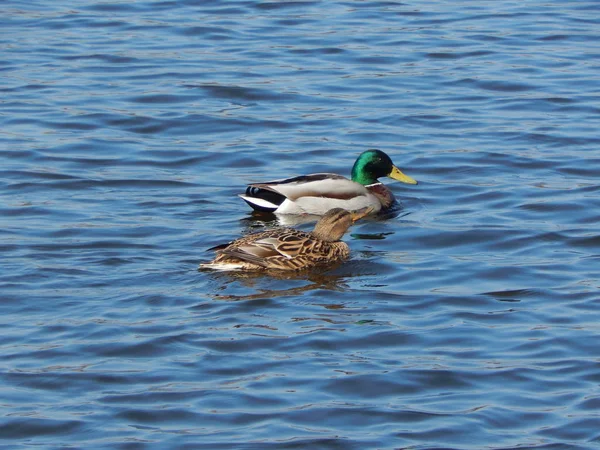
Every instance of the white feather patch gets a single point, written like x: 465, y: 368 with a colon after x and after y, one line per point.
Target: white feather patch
x: 319, y: 206
x: 259, y: 202
x: 221, y: 266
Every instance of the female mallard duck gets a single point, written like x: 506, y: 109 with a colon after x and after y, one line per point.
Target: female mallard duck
x: 319, y: 192
x: 287, y: 248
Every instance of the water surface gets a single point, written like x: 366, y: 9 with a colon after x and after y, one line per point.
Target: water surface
x: 467, y: 319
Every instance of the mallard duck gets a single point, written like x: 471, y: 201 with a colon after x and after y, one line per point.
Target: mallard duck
x: 288, y: 248
x: 318, y: 193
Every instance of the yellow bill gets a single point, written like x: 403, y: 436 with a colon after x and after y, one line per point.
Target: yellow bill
x: 396, y: 174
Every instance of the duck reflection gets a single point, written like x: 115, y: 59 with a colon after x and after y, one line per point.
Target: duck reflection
x: 262, y: 220
x: 260, y: 286
x: 258, y: 221
x: 266, y: 286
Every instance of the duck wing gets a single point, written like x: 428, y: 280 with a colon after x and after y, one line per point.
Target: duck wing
x: 287, y: 246
x: 328, y: 185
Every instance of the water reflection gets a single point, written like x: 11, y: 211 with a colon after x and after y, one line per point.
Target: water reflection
x: 275, y: 284
x: 258, y: 221
x: 371, y: 236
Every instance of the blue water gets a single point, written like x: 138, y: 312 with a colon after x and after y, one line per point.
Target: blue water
x: 468, y: 319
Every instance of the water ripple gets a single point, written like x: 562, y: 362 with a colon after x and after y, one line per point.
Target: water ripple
x: 467, y: 317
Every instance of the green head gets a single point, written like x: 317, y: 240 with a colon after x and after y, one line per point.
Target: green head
x: 373, y: 164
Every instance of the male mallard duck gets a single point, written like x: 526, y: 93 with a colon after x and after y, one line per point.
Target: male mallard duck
x: 288, y: 248
x: 319, y: 192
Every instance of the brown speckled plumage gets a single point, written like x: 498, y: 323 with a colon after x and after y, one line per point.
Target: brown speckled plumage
x: 287, y: 248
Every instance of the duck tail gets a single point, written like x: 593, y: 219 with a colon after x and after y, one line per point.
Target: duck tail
x: 262, y: 200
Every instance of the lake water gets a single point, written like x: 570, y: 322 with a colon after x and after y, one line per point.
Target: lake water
x: 468, y: 319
